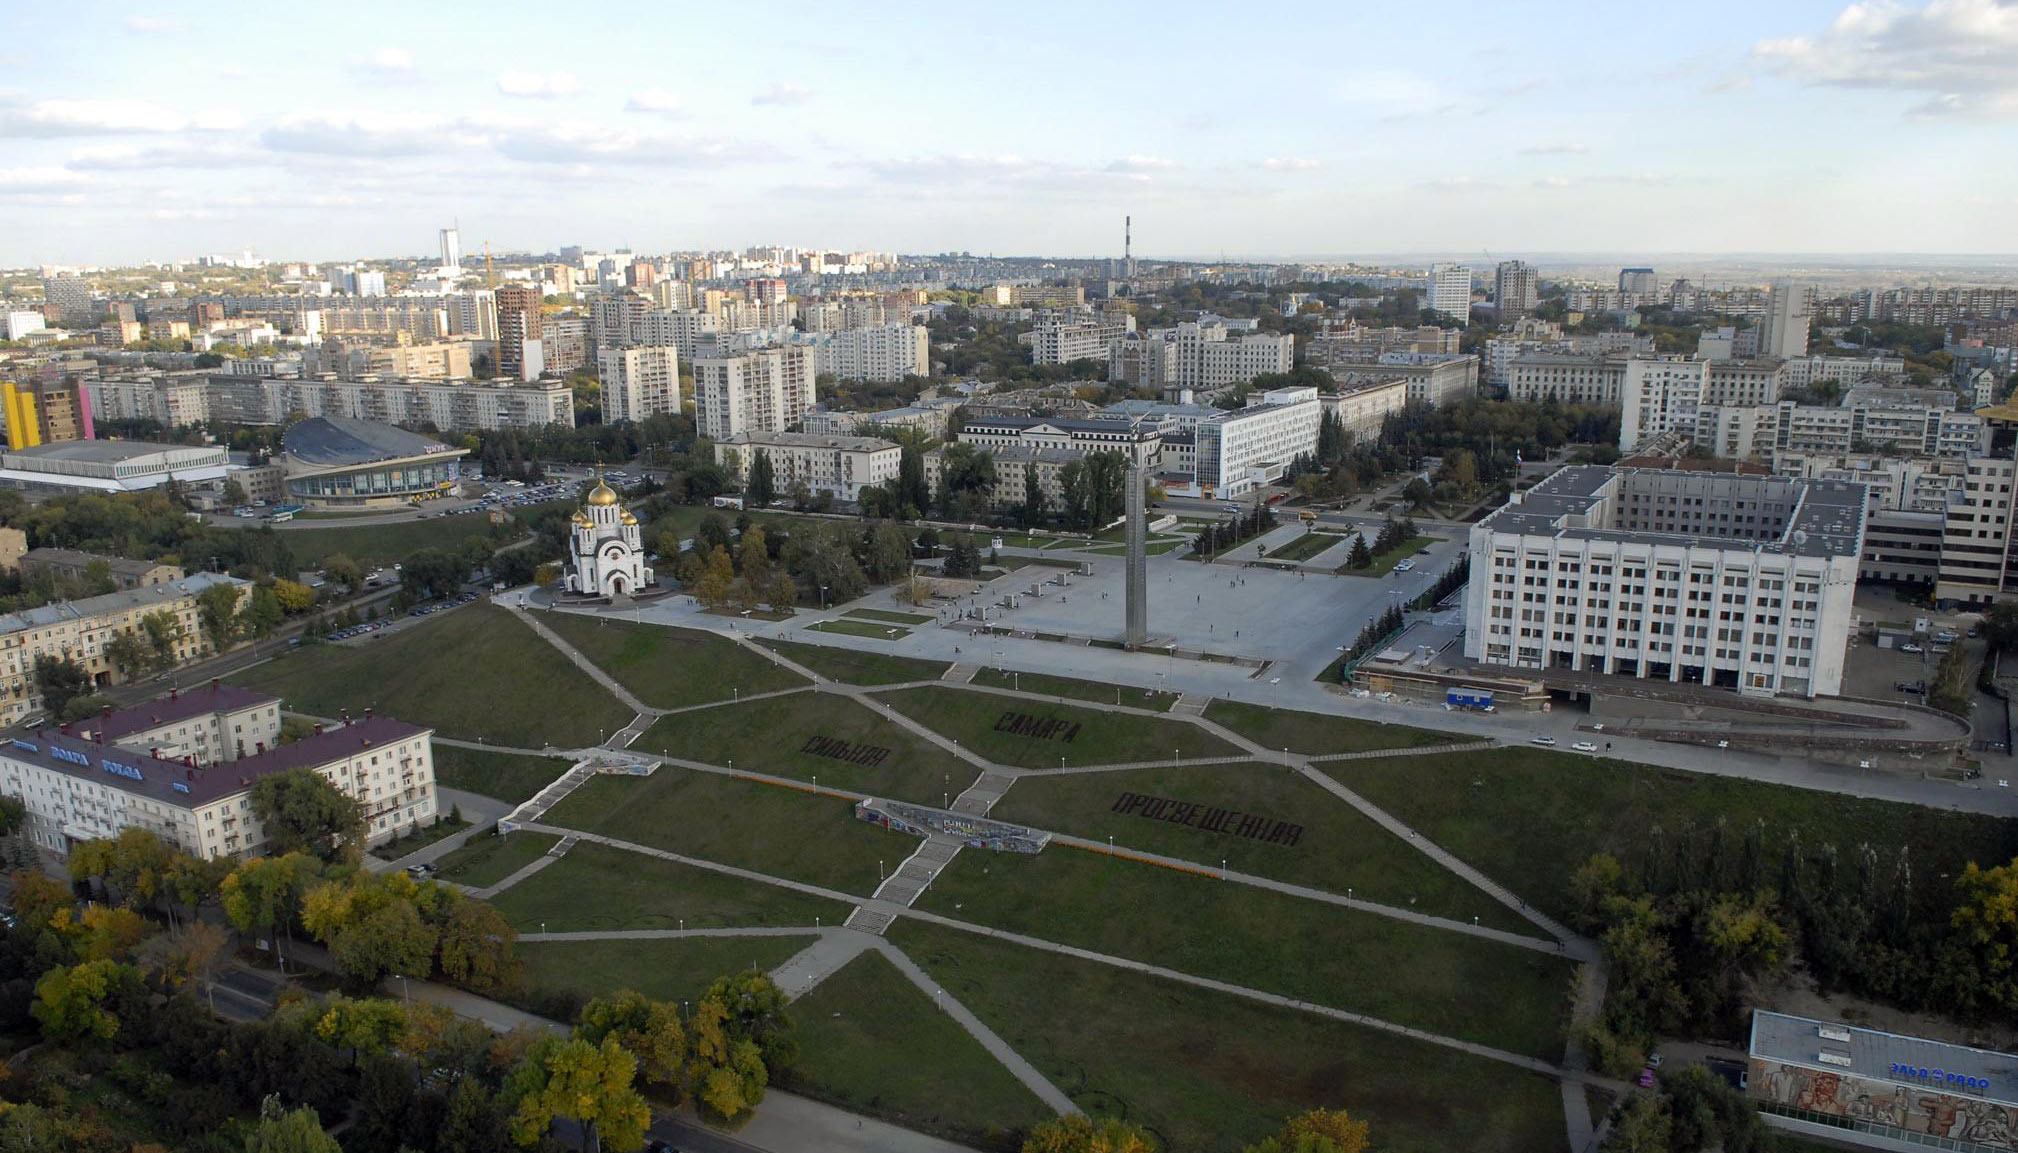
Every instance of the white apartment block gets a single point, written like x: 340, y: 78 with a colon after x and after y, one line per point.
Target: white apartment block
x: 686, y: 329
x: 841, y: 466
x: 450, y: 405
x: 1804, y: 371
x: 767, y: 390
x: 1066, y: 341
x: 883, y: 352
x: 78, y: 790
x: 1516, y: 288
x: 1241, y: 450
x: 1450, y: 290
x: 640, y: 382
x: 1783, y: 330
x: 211, y: 724
x: 1743, y: 582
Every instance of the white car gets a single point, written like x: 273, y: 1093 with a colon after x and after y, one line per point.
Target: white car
x: 1404, y: 566
x: 1584, y: 747
x: 1541, y: 740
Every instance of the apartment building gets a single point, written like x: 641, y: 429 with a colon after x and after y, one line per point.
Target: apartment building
x: 77, y: 789
x: 1362, y: 408
x: 1516, y: 288
x: 210, y: 724
x: 564, y: 344
x: 440, y: 360
x: 520, y: 355
x: 1450, y: 290
x: 79, y: 630
x: 1076, y: 435
x: 839, y: 466
x: 1013, y: 465
x: 1062, y: 342
x: 766, y: 390
x: 884, y: 352
x: 640, y: 382
x: 72, y: 564
x: 450, y: 405
x: 1433, y: 378
x: 1738, y: 581
x: 1242, y: 450
x: 1570, y: 378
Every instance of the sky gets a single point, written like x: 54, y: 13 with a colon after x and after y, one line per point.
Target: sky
x: 355, y: 130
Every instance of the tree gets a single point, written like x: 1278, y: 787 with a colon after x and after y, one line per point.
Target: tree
x: 649, y: 1030
x: 1318, y: 1131
x: 1361, y: 556
x: 264, y: 892
x: 913, y: 494
x: 756, y: 1008
x: 762, y: 487
x: 128, y: 653
x: 387, y: 941
x: 281, y: 1131
x: 783, y: 593
x: 588, y: 1084
x: 431, y: 573
x: 886, y: 552
x: 339, y: 568
x: 164, y: 632
x: 725, y: 1072
x: 966, y: 469
x: 716, y: 579
x: 1032, y: 513
x: 71, y: 1003
x: 1641, y: 1125
x: 216, y: 612
x: 293, y: 596
x: 476, y: 947
x: 301, y: 809
x: 234, y: 492
x: 362, y: 1025
x: 474, y: 1123
x: 58, y: 680
x: 1079, y: 1134
x: 712, y: 533
x: 1986, y: 916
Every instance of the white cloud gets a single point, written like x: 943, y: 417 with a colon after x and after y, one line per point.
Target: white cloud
x: 1456, y: 184
x: 537, y: 85
x: 1290, y: 164
x: 1556, y: 148
x: 657, y: 101
x: 38, y: 179
x: 1136, y: 164
x: 21, y: 117
x: 186, y: 154
x: 580, y: 142
x: 1956, y: 54
x: 948, y: 168
x: 354, y: 133
x: 386, y: 62
x: 151, y: 25
x: 783, y: 94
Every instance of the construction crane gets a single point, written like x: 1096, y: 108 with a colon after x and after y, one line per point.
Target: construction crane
x: 489, y: 276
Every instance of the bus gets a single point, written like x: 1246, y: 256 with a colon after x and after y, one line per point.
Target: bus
x: 281, y: 517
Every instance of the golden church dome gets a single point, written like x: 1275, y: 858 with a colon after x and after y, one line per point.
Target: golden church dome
x: 602, y: 494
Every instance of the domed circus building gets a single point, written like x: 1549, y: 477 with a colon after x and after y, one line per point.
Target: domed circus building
x: 606, y: 553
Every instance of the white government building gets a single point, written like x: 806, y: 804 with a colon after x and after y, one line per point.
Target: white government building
x: 606, y: 549
x: 1738, y: 581
x: 840, y: 466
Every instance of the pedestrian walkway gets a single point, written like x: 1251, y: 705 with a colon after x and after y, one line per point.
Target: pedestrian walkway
x: 595, y: 672
x: 997, y: 1048
x: 1425, y: 751
x: 1191, y: 705
x: 959, y: 674
x: 981, y: 796
x: 918, y: 871
x: 547, y: 798
x: 820, y: 960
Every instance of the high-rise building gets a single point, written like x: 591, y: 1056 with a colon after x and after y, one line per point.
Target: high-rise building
x: 72, y: 297
x: 1638, y: 280
x: 1450, y: 290
x: 768, y: 390
x: 885, y: 352
x: 46, y: 413
x: 451, y: 249
x: 640, y: 382
x: 1783, y: 330
x: 1515, y: 288
x: 518, y: 332
x: 767, y: 290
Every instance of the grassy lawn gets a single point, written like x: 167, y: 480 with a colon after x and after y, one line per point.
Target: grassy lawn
x: 892, y: 617
x: 1210, y: 1072
x: 487, y: 859
x: 426, y: 835
x: 598, y: 887
x: 679, y: 969
x: 382, y: 544
x: 1153, y: 548
x: 773, y: 736
x: 1339, y: 850
x: 872, y: 1042
x: 669, y: 668
x: 1316, y: 734
x: 1308, y: 545
x: 776, y: 831
x: 475, y: 674
x: 870, y: 630
x: 1076, y: 688
x: 1529, y: 817
x: 1102, y: 738
x: 858, y: 668
x: 1495, y: 994
x: 506, y: 776
x: 1383, y: 562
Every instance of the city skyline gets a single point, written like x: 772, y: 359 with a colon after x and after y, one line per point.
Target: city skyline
x: 1811, y: 127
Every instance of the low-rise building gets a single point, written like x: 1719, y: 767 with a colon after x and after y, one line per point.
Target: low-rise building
x: 123, y: 572
x: 109, y: 466
x: 1433, y: 378
x: 840, y: 466
x: 1013, y: 464
x: 212, y: 724
x: 1364, y: 406
x: 337, y: 462
x: 1241, y: 450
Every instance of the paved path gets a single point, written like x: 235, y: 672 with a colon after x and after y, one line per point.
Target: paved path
x: 595, y: 672
x: 821, y: 959
x: 978, y: 1029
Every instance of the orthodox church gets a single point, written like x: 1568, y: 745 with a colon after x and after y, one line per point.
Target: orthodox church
x: 606, y: 554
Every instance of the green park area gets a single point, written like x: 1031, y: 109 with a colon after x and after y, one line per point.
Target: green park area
x: 889, y: 617
x: 672, y: 969
x: 1309, y: 545
x: 375, y: 545
x: 1211, y: 1071
x: 1384, y: 562
x: 857, y: 668
x: 1316, y: 734
x: 783, y: 832
x: 506, y: 776
x: 1077, y: 689
x: 670, y: 668
x: 474, y: 673
x: 487, y: 858
x: 1038, y: 734
x: 845, y: 745
x: 868, y: 630
x: 1529, y: 817
x: 1337, y: 849
x: 1496, y: 994
x: 595, y: 887
x: 872, y: 1041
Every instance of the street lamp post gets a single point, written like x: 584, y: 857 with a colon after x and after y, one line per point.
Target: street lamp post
x: 823, y: 598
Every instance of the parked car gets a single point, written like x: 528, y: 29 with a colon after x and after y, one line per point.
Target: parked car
x: 1945, y: 637
x: 1910, y: 647
x: 1541, y: 740
x: 1909, y: 686
x: 1646, y: 1078
x: 1585, y: 747
x: 1404, y: 566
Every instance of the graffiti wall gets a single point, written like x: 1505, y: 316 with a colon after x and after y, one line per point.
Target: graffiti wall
x: 1915, y: 1109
